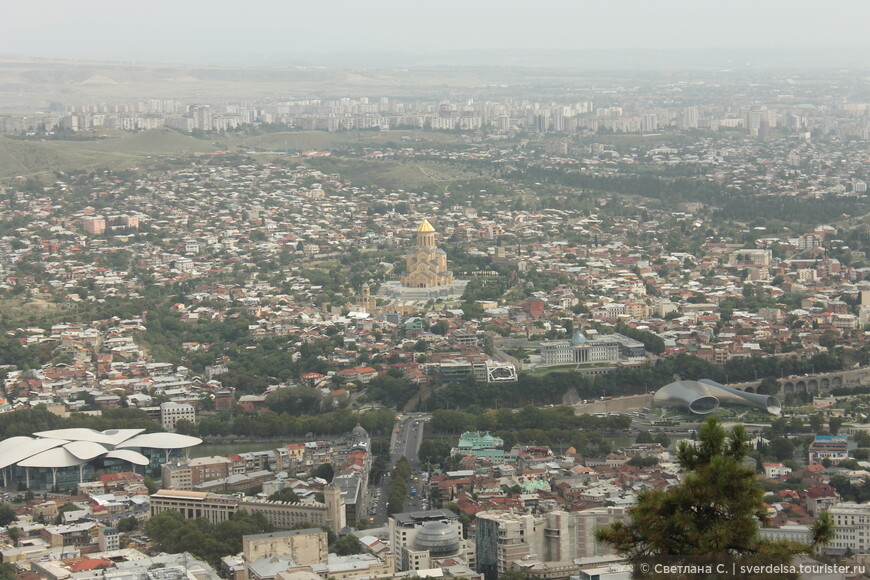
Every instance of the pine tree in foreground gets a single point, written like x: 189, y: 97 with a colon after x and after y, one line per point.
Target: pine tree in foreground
x: 715, y: 511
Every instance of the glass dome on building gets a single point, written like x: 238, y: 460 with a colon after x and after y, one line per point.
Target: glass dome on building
x: 578, y: 339
x: 439, y: 538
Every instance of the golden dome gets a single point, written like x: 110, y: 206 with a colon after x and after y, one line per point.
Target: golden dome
x: 425, y: 227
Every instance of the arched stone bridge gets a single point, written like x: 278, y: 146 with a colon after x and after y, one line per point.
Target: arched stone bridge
x: 820, y: 384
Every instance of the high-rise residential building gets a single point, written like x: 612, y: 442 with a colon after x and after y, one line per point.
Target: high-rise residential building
x: 541, y: 121
x: 504, y: 537
x: 688, y: 118
x: 201, y: 117
x: 571, y: 535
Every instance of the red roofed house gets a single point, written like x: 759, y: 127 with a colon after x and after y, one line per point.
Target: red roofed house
x: 116, y: 481
x: 311, y: 379
x: 89, y: 564
x: 821, y: 497
x: 361, y: 374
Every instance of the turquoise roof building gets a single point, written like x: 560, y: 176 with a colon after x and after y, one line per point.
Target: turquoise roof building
x: 481, y: 445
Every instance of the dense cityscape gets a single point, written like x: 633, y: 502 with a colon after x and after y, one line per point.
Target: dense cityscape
x: 519, y: 324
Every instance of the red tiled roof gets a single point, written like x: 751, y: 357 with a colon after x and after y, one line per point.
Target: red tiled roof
x: 91, y: 564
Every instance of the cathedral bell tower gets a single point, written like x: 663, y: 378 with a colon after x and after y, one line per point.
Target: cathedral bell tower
x: 427, y: 264
x: 426, y: 235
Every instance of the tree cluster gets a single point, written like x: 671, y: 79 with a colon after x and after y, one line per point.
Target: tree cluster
x: 347, y: 546
x: 652, y: 342
x: 200, y: 537
x: 436, y: 452
x: 390, y: 390
x: 557, y: 427
x: 7, y: 515
x: 25, y: 422
x: 381, y: 463
x: 8, y: 571
x: 529, y: 417
x: 858, y: 493
x: 286, y: 495
x: 324, y: 471
x: 399, y: 486
x: 270, y: 424
x: 647, y: 437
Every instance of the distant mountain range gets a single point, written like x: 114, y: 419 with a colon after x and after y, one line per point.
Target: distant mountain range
x: 592, y: 60
x: 30, y: 82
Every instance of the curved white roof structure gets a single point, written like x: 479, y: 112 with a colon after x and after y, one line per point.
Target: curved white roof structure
x: 703, y: 396
x: 133, y: 457
x: 161, y: 441
x: 15, y: 449
x: 57, y: 457
x: 71, y: 447
x: 108, y: 437
x: 85, y: 450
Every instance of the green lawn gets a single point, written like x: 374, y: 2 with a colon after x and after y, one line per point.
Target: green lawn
x: 565, y: 368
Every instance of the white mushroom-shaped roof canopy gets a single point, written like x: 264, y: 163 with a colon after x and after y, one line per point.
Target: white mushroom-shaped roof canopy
x: 70, y: 447
x: 160, y: 441
x: 85, y: 450
x: 15, y: 449
x: 57, y: 457
x: 107, y: 437
x: 133, y: 457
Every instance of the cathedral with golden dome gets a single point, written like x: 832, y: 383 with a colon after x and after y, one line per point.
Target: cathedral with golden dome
x: 427, y: 264
x: 426, y: 275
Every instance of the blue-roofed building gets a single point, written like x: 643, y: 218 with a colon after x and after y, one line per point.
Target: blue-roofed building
x: 832, y: 447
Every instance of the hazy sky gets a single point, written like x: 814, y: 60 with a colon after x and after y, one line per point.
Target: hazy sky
x: 275, y: 30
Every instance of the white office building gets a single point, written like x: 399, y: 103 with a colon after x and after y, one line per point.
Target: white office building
x: 172, y: 413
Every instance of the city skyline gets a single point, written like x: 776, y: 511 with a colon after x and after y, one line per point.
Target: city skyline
x: 341, y: 291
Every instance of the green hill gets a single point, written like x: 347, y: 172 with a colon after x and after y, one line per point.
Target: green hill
x: 324, y: 141
x: 160, y: 141
x: 25, y: 158
x: 32, y: 158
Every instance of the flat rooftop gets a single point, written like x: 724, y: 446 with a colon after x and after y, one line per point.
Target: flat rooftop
x: 410, y: 518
